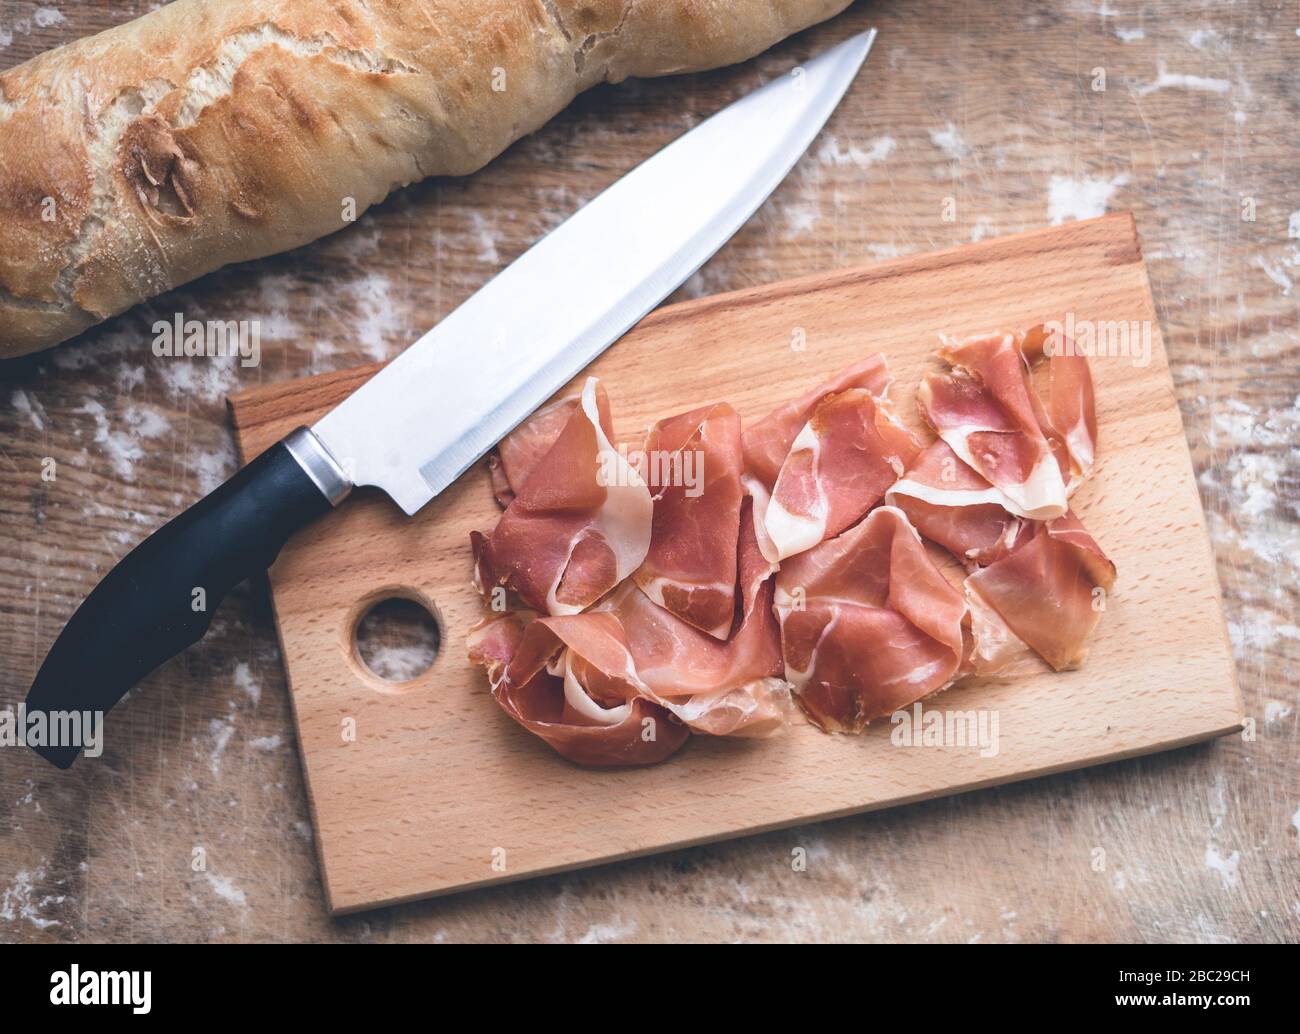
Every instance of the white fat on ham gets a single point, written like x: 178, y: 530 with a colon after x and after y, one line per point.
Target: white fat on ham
x: 1040, y: 496
x: 624, y: 519
x: 576, y: 696
x: 839, y: 466
x: 792, y: 533
x: 987, y: 412
x: 762, y: 498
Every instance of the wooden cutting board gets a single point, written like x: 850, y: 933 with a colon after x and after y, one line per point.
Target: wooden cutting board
x: 439, y: 791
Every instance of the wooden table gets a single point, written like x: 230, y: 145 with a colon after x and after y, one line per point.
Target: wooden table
x: 971, y: 120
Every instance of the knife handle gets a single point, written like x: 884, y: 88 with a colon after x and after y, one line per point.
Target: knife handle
x: 160, y: 598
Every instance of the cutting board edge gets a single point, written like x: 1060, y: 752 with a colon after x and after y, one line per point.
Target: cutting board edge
x: 1206, y: 542
x: 337, y: 910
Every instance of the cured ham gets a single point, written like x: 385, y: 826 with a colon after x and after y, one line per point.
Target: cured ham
x: 838, y: 467
x: 708, y: 581
x: 768, y: 441
x: 1050, y: 591
x: 692, y: 464
x: 570, y: 681
x: 1069, y: 418
x: 577, y: 526
x: 982, y: 407
x: 1037, y: 584
x: 950, y: 504
x: 868, y: 623
x: 732, y: 688
x: 520, y: 451
x: 623, y: 683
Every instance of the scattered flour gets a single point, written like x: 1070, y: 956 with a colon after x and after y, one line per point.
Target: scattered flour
x: 30, y: 408
x: 1177, y: 81
x: 212, y: 468
x: 222, y: 731
x: 1275, y: 273
x: 1255, y: 477
x: 225, y: 888
x: 1256, y: 630
x: 1225, y: 867
x: 125, y: 448
x: 275, y: 292
x: 1130, y: 35
x: 1069, y: 199
x: 128, y: 377
x: 401, y: 663
x: 487, y: 245
x: 802, y: 218
x: 265, y: 743
x: 208, y: 379
x: 1275, y: 711
x: 19, y: 900
x: 602, y: 933
x: 949, y: 140
x: 41, y: 18
x: 378, y: 327
x: 244, y: 680
x: 832, y: 153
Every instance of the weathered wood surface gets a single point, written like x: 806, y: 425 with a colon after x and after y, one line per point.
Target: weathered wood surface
x: 990, y: 106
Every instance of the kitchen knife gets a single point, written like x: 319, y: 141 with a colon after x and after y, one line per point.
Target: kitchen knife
x: 415, y: 426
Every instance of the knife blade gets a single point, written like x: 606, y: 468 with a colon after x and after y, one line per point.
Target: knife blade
x: 562, y: 302
x: 419, y: 423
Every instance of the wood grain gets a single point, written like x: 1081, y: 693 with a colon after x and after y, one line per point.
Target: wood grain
x: 989, y: 105
x: 438, y: 791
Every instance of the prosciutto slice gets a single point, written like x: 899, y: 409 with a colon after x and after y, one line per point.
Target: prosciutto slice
x: 950, y: 504
x: 1049, y: 592
x: 570, y: 681
x: 767, y: 442
x: 692, y: 464
x: 578, y: 525
x: 731, y: 688
x: 708, y: 582
x: 868, y: 623
x: 1069, y: 418
x: 839, y: 466
x: 523, y: 448
x: 984, y: 409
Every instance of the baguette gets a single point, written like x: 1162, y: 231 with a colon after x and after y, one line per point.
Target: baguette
x: 215, y: 131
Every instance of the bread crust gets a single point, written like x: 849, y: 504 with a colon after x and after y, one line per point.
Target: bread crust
x: 216, y: 131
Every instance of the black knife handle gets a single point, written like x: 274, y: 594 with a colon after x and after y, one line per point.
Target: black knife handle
x: 160, y: 598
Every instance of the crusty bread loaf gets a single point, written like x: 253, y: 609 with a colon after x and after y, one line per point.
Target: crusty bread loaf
x: 213, y: 131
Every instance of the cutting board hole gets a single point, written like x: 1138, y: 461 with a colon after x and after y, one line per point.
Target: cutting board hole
x: 398, y: 639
